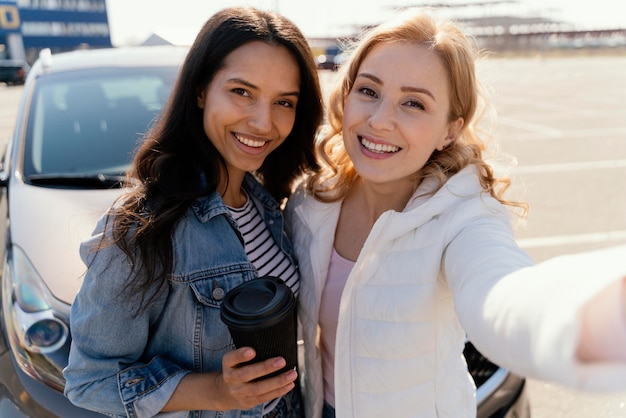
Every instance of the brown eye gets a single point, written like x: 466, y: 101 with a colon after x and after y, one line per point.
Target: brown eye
x: 416, y: 104
x: 240, y: 91
x: 285, y: 103
x: 367, y: 91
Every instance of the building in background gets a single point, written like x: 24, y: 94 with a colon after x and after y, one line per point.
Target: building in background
x: 28, y: 26
x: 498, y: 26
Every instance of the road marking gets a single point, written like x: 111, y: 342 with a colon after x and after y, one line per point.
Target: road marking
x: 558, y: 240
x: 533, y: 127
x: 592, y: 134
x: 577, y: 166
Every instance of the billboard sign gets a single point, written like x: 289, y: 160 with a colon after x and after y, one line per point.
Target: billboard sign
x: 9, y: 17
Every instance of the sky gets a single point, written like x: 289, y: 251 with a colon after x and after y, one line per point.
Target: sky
x: 132, y: 21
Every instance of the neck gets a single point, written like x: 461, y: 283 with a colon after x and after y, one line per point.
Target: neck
x: 362, y: 207
x: 377, y: 198
x: 230, y: 190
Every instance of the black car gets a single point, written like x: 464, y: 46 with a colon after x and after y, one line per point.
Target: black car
x: 499, y: 393
x: 13, y: 72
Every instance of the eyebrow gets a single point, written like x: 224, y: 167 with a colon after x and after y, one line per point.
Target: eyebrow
x: 255, y: 87
x: 409, y: 89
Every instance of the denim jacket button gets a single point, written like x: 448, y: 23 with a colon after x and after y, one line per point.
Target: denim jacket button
x: 218, y: 293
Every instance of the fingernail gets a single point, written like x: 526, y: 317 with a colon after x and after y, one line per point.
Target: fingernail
x: 279, y: 362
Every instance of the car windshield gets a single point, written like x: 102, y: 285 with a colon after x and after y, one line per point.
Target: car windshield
x: 87, y: 125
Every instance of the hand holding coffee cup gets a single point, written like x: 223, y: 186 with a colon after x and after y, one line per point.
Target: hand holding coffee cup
x: 261, y: 314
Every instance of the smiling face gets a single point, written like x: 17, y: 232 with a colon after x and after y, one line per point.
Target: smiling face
x: 397, y: 112
x: 250, y: 105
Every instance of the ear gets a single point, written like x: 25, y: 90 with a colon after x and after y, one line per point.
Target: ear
x: 200, y: 99
x: 454, y: 129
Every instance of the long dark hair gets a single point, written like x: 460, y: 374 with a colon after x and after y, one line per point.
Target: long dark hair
x: 176, y: 164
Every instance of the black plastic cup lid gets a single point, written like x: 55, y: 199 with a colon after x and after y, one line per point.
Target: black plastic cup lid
x: 257, y: 303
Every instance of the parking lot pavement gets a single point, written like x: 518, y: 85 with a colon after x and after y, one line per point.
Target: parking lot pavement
x: 564, y: 119
x: 9, y: 97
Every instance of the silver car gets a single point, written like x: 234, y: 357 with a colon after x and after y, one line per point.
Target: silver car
x: 81, y: 117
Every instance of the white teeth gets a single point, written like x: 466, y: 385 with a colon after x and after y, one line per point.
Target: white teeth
x: 379, y: 148
x: 250, y: 142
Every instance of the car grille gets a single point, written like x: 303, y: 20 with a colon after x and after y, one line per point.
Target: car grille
x: 479, y: 367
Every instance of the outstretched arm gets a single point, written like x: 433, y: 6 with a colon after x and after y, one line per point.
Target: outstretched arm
x: 603, y: 325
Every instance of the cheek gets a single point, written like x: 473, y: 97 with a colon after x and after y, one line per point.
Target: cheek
x: 206, y: 122
x: 284, y: 122
x: 214, y: 125
x: 351, y: 118
x: 351, y: 109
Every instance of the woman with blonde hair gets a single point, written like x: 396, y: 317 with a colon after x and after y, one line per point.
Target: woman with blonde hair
x: 405, y: 244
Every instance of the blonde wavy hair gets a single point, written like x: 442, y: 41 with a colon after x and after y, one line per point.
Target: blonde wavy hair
x: 459, y: 54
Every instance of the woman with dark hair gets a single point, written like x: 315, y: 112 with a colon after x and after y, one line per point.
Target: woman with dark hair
x: 203, y: 217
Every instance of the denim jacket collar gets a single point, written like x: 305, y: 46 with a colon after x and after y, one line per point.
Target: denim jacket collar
x: 208, y: 207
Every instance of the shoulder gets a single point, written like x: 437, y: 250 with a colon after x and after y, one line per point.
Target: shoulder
x: 303, y: 201
x: 295, y: 201
x: 462, y: 194
x: 465, y: 183
x: 305, y: 211
x: 299, y: 196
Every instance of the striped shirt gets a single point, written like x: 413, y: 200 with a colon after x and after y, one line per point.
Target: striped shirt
x: 264, y: 254
x: 261, y: 249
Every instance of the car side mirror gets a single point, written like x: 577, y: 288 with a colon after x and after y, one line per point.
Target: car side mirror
x: 4, y: 173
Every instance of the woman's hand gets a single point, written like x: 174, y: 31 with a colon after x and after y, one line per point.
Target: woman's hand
x: 233, y: 387
x: 237, y: 385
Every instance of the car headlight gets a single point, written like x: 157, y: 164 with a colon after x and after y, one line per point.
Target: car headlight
x: 36, y: 322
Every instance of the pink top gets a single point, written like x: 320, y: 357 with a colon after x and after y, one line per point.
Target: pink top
x: 338, y: 272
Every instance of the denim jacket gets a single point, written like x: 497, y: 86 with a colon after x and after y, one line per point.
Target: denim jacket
x: 124, y: 365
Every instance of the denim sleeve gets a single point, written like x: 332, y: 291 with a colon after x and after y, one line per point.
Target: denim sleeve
x: 106, y: 371
x: 146, y: 388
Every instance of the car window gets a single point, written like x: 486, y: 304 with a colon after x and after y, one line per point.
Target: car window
x: 90, y: 125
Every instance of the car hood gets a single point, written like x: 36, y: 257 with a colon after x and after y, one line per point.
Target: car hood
x: 48, y: 224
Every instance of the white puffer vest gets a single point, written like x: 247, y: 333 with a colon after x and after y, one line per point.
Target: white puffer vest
x: 421, y: 283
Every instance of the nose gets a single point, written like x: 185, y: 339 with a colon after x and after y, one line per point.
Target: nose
x: 261, y: 117
x: 382, y: 116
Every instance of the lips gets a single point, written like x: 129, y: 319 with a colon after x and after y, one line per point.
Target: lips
x: 249, y: 142
x: 378, y: 148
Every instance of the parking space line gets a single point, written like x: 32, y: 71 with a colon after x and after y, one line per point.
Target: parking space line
x: 612, y: 237
x: 575, y: 166
x: 533, y: 127
x: 574, y: 133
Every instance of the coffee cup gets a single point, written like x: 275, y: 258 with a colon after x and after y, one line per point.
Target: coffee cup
x: 261, y: 313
